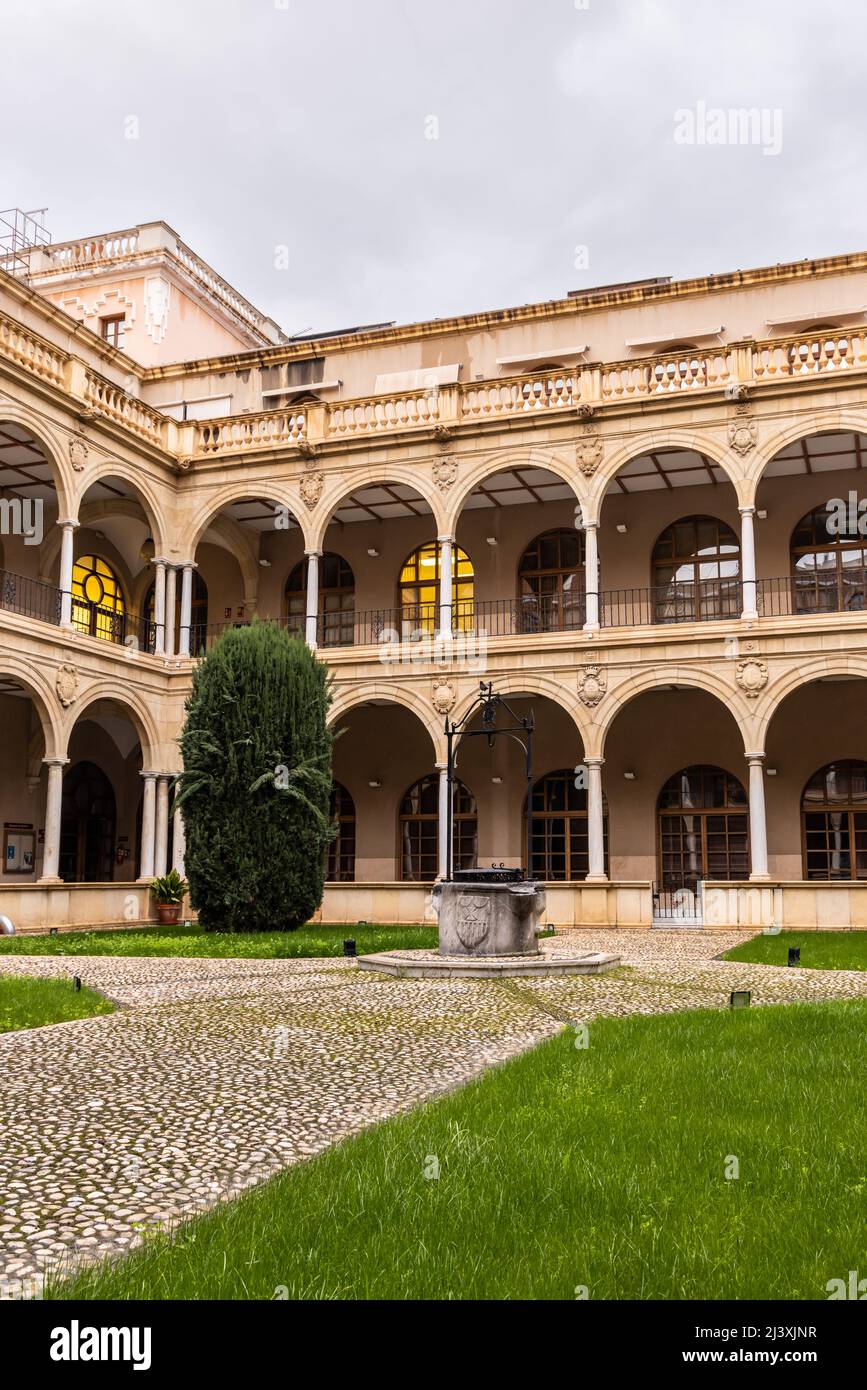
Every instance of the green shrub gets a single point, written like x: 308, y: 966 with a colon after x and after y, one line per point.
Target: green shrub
x: 256, y: 784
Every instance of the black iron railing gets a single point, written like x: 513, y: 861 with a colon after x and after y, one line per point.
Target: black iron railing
x: 30, y: 597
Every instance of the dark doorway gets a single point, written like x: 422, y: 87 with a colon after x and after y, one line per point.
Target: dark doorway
x: 88, y: 820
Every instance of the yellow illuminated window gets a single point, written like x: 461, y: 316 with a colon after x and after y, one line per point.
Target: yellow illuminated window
x: 419, y: 588
x: 97, y: 599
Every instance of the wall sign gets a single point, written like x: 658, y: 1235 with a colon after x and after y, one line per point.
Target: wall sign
x: 19, y: 848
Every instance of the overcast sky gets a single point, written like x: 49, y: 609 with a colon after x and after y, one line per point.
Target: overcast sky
x: 306, y: 124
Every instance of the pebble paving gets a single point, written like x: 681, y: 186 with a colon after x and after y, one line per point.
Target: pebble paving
x: 215, y: 1074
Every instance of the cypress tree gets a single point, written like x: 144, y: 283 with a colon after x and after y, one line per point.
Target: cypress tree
x: 256, y: 784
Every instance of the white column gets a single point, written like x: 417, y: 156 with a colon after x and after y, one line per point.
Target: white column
x: 186, y: 609
x: 148, y: 825
x: 171, y: 600
x: 179, y: 842
x: 161, y: 834
x: 595, y: 822
x: 312, y: 612
x: 51, y: 848
x: 758, y: 820
x: 446, y: 623
x: 159, y: 606
x: 67, y: 541
x: 591, y: 577
x: 443, y: 821
x: 748, y: 561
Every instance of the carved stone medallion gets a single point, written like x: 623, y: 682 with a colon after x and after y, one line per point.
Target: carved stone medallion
x: 444, y: 696
x: 78, y: 452
x: 311, y: 489
x: 592, y: 685
x: 66, y: 685
x: 445, y: 472
x: 588, y: 449
x: 474, y: 921
x: 743, y: 430
x: 752, y: 677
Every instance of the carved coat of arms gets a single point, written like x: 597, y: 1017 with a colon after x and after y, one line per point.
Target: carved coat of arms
x: 474, y: 921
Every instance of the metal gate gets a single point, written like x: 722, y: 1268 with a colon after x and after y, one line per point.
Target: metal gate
x: 678, y: 905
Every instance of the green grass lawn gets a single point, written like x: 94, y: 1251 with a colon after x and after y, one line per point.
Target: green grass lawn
x: 194, y: 941
x: 820, y: 950
x: 602, y: 1168
x: 26, y: 1003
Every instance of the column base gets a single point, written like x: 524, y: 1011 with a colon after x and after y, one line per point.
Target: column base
x: 761, y: 878
x: 50, y: 882
x: 597, y: 878
x: 750, y: 615
x: 591, y: 629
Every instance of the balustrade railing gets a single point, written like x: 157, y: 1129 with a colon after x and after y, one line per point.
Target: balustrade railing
x: 30, y: 597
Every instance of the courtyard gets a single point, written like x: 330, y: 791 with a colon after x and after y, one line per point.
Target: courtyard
x: 214, y: 1075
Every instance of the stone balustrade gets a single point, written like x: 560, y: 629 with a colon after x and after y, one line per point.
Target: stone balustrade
x: 32, y: 352
x: 115, y: 404
x: 406, y: 410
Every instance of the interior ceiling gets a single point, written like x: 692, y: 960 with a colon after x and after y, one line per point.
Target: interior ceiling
x: 10, y: 686
x: 821, y: 453
x: 381, y: 502
x: 24, y: 469
x: 516, y: 487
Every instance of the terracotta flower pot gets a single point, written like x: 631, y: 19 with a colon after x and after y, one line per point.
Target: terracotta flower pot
x: 168, y: 914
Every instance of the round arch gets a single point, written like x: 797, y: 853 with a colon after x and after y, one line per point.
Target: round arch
x: 536, y: 456
x: 339, y: 488
x: 852, y: 664
x: 530, y: 683
x: 709, y: 445
x: 54, y: 442
x: 132, y: 704
x: 828, y: 421
x: 152, y: 504
x: 45, y: 701
x: 622, y: 695
x: 207, y: 513
x: 408, y: 698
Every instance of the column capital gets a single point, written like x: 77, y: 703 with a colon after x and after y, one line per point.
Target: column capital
x: 755, y: 759
x: 445, y: 540
x: 188, y: 564
x: 70, y: 522
x: 313, y: 554
x: 161, y: 560
x: 748, y: 511
x: 441, y: 767
x: 593, y: 762
x: 148, y: 772
x: 55, y: 762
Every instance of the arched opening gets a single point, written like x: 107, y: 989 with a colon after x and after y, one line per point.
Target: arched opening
x: 551, y: 593
x: 558, y: 831
x: 98, y: 603
x: 696, y: 571
x: 198, y: 616
x: 340, y: 865
x: 88, y: 825
x: 243, y: 553
x: 336, y: 627
x: 834, y: 822
x: 418, y: 830
x: 23, y: 781
x: 702, y: 828
x: 29, y: 488
x: 829, y: 562
x: 419, y: 588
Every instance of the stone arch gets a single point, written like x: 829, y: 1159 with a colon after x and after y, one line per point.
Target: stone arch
x: 709, y: 444
x: 339, y: 487
x: 152, y: 504
x: 207, y: 510
x: 135, y: 705
x: 54, y: 442
x: 623, y: 694
x: 852, y: 664
x: 44, y: 697
x: 829, y: 420
x: 532, y: 683
x: 525, y: 456
x: 408, y: 698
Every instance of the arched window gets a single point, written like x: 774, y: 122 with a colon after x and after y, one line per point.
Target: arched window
x: 87, y: 826
x: 559, y: 847
x: 696, y: 570
x: 834, y: 822
x: 336, y: 601
x: 551, y: 583
x: 340, y: 865
x: 198, y: 616
x: 418, y: 830
x: 702, y: 828
x: 97, y: 599
x: 829, y: 566
x: 418, y: 594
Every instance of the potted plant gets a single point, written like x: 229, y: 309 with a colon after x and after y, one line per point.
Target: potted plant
x: 169, y: 893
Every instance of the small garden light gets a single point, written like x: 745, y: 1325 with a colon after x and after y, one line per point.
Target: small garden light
x: 349, y: 948
x: 52, y: 931
x: 740, y: 999
x: 794, y: 955
x: 76, y: 983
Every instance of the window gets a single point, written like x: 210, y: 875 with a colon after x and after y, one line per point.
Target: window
x: 834, y: 822
x: 336, y: 601
x: 97, y: 599
x: 551, y: 583
x: 702, y: 828
x: 696, y: 571
x: 419, y: 589
x: 112, y: 330
x: 559, y: 844
x: 419, y: 830
x: 340, y: 863
x: 829, y: 571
